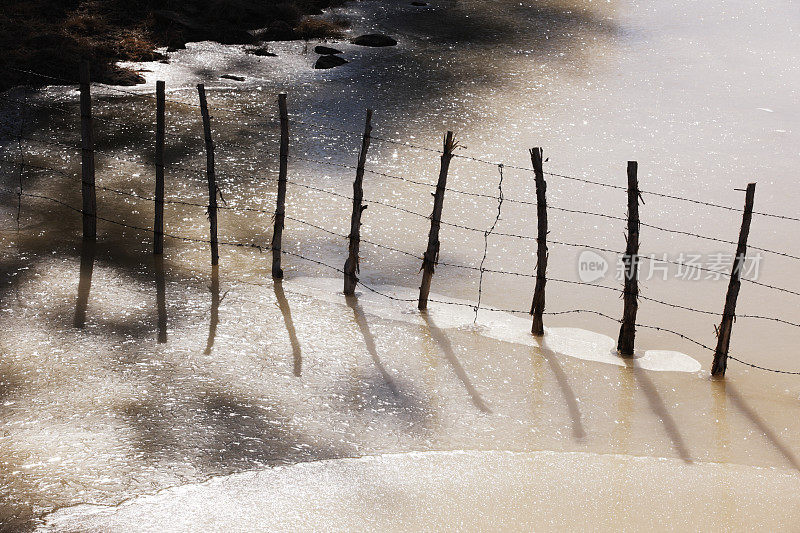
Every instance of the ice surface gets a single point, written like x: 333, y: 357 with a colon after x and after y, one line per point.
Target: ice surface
x: 96, y: 408
x: 500, y: 325
x: 467, y: 491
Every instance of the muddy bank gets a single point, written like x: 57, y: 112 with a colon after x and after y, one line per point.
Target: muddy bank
x: 52, y: 36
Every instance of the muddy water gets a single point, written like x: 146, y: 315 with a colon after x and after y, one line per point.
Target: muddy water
x: 122, y: 376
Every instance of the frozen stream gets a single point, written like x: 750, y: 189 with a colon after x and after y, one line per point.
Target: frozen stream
x: 122, y: 376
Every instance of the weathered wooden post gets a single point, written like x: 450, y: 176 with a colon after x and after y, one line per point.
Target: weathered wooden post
x: 431, y: 256
x: 627, y: 332
x: 729, y: 313
x: 351, y: 267
x: 158, y: 225
x: 212, y: 182
x: 88, y: 191
x: 280, y: 208
x: 537, y: 307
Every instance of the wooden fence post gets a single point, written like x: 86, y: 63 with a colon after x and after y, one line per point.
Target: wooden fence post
x: 88, y: 191
x: 431, y: 256
x: 158, y: 225
x: 212, y: 182
x: 280, y: 208
x: 627, y: 332
x: 351, y: 267
x: 729, y: 313
x: 537, y: 307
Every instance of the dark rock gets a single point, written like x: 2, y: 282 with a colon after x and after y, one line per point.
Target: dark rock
x: 232, y: 77
x: 326, y: 50
x: 374, y: 39
x: 261, y: 52
x: 419, y: 4
x: 329, y: 61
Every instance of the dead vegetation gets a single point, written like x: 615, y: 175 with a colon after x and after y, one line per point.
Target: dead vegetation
x: 318, y: 28
x: 52, y: 36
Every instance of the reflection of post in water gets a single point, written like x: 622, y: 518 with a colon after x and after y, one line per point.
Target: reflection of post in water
x: 566, y: 389
x: 447, y: 348
x: 161, y: 298
x: 538, y: 382
x: 724, y: 496
x: 720, y: 412
x: 369, y: 340
x: 620, y: 508
x: 84, y: 282
x: 215, y: 301
x: 287, y: 319
x: 621, y: 432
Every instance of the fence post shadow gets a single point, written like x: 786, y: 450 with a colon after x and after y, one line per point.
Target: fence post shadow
x: 621, y: 433
x: 369, y: 341
x: 658, y: 407
x: 215, y: 301
x: 744, y: 408
x: 88, y: 249
x: 537, y: 383
x: 578, y: 431
x: 447, y: 348
x: 720, y: 411
x: 286, y: 311
x: 161, y: 298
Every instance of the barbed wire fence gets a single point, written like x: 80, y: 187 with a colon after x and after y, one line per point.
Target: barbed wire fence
x: 21, y: 162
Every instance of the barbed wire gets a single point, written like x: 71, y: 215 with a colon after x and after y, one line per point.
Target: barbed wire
x: 773, y: 287
x: 261, y: 248
x: 460, y: 226
x: 550, y: 207
x: 480, y: 269
x: 342, y: 165
x: 477, y: 230
x: 651, y: 257
x: 486, y: 240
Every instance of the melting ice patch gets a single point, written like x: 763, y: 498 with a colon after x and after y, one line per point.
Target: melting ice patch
x: 499, y: 325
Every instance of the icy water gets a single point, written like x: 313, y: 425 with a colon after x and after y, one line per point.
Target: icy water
x: 123, y: 376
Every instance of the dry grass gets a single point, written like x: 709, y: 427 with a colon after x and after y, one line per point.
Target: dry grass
x: 52, y: 36
x: 317, y: 28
